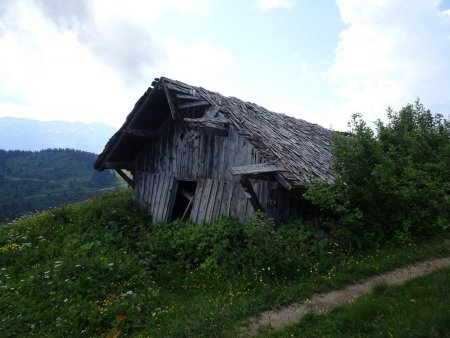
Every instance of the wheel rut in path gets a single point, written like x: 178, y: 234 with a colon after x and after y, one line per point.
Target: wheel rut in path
x: 291, y: 314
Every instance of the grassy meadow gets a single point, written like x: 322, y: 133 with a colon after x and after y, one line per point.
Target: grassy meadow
x: 98, y: 268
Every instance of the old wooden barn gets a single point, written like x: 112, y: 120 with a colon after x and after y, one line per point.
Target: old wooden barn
x: 197, y: 154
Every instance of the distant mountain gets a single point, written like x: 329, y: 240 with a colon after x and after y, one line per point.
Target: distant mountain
x: 33, y: 181
x: 27, y: 134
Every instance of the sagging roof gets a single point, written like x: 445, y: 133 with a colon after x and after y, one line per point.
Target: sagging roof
x: 300, y: 148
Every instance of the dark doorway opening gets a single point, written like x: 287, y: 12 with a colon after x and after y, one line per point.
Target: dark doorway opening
x: 183, y: 200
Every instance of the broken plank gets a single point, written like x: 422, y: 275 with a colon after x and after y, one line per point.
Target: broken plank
x: 254, y: 169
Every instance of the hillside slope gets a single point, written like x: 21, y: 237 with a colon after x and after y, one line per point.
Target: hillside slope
x: 34, y: 181
x: 98, y: 268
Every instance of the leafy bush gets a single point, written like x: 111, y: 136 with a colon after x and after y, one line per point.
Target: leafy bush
x: 392, y: 182
x: 229, y: 248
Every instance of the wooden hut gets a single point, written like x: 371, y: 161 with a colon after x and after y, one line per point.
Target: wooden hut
x: 197, y: 154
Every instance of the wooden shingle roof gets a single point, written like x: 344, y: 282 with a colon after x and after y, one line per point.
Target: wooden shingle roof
x: 301, y: 148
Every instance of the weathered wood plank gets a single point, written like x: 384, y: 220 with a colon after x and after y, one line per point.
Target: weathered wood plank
x: 213, y: 129
x: 161, y: 197
x: 193, y: 104
x: 142, y: 186
x: 169, y: 184
x: 197, y: 199
x: 205, y: 199
x: 211, y: 201
x: 248, y: 188
x: 255, y: 169
x: 177, y: 88
x: 154, y: 184
x: 227, y: 196
x: 283, y: 181
x: 202, y: 120
x: 219, y: 200
x: 237, y: 202
x: 187, y: 97
x: 173, y: 109
x: 211, y: 125
x: 187, y: 210
x: 170, y: 200
x: 162, y: 189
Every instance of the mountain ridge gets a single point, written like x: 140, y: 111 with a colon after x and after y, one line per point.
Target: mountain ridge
x: 34, y: 135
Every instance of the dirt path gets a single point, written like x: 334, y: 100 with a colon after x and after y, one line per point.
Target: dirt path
x: 326, y: 301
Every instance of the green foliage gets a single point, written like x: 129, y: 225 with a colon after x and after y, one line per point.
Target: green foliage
x: 229, y: 248
x: 34, y: 181
x: 395, y: 182
x: 64, y: 273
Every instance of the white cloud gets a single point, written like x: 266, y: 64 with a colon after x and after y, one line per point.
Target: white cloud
x: 48, y: 74
x: 199, y: 63
x: 93, y: 67
x: 144, y: 12
x: 391, y: 53
x: 266, y: 5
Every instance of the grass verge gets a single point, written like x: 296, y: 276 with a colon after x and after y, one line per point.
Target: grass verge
x: 419, y: 308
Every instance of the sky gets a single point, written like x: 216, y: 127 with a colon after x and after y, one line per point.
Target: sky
x: 321, y: 61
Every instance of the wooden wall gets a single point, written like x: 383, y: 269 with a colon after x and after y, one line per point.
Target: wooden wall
x: 207, y: 156
x: 206, y: 160
x: 156, y: 193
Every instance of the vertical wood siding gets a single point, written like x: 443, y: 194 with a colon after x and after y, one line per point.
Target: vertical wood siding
x: 207, y: 160
x: 207, y: 156
x: 156, y: 193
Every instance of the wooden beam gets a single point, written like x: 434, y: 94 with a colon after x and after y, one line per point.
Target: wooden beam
x: 187, y: 210
x: 198, y: 103
x: 283, y: 181
x: 255, y: 169
x: 176, y: 88
x: 211, y: 112
x: 248, y: 188
x: 173, y: 110
x: 215, y: 126
x: 186, y: 193
x: 119, y: 165
x: 187, y: 97
x: 125, y: 177
x: 144, y: 133
x: 215, y: 129
x: 207, y: 120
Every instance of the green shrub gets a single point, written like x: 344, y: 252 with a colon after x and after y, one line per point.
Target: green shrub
x: 395, y: 182
x: 229, y: 248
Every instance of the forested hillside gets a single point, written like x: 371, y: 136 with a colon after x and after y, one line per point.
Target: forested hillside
x: 32, y: 181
